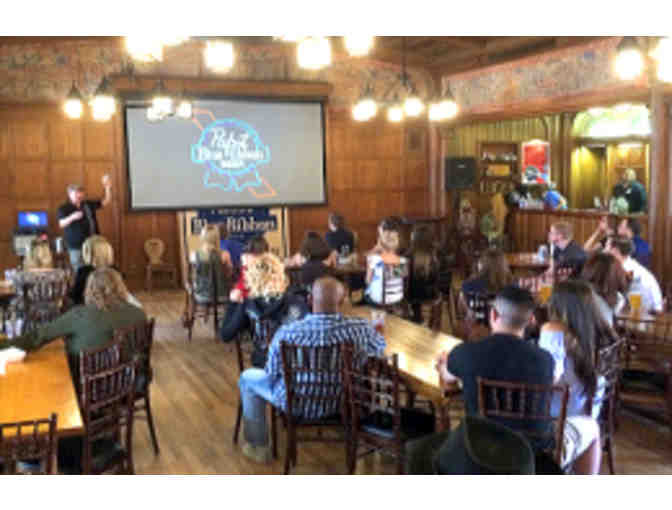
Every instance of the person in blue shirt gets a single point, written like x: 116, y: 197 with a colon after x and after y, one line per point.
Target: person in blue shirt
x: 325, y: 326
x: 231, y: 249
x: 632, y: 229
x: 553, y: 199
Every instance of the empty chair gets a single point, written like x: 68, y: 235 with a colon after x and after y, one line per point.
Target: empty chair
x: 28, y: 441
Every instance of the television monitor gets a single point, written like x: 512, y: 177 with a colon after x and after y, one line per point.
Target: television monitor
x: 33, y: 220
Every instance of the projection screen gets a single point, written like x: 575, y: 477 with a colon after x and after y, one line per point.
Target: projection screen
x: 232, y: 153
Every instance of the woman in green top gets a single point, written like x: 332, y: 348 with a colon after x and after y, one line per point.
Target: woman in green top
x: 89, y: 326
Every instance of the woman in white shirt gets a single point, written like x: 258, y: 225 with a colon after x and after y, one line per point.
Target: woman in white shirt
x: 386, y: 262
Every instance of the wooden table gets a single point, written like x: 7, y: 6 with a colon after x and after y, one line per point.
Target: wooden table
x: 418, y: 348
x: 39, y: 386
x: 527, y: 261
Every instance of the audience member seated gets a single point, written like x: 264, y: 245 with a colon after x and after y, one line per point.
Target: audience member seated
x: 39, y: 256
x: 210, y: 260
x: 389, y: 224
x: 503, y: 356
x: 97, y: 253
x: 642, y: 280
x: 340, y: 240
x: 324, y: 326
x: 386, y: 263
x: 566, y: 251
x: 232, y: 250
x: 610, y: 284
x: 572, y: 337
x: 492, y: 274
x: 424, y: 270
x: 630, y: 228
x: 313, y: 258
x: 91, y: 325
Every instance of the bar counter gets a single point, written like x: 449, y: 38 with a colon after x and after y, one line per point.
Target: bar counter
x: 529, y: 227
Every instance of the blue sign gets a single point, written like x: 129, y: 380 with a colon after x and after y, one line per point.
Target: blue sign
x: 241, y: 223
x: 231, y: 151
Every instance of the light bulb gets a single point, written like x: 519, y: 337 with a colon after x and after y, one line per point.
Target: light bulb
x: 184, y: 109
x: 449, y: 108
x: 358, y: 45
x: 436, y: 112
x: 163, y: 105
x: 629, y: 64
x: 413, y: 106
x: 102, y: 107
x: 395, y: 114
x: 365, y: 109
x: 314, y: 53
x: 219, y: 56
x: 144, y: 48
x: 153, y: 115
x: 73, y: 108
x: 663, y: 56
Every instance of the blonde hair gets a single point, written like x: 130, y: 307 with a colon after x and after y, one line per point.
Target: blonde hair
x: 389, y: 240
x: 630, y: 174
x: 265, y: 275
x: 39, y: 256
x: 97, y: 252
x: 210, y: 238
x: 105, y: 289
x: 564, y: 229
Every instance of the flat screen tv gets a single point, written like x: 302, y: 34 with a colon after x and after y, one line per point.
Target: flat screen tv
x: 33, y: 220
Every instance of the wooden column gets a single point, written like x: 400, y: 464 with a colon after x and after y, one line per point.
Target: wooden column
x: 660, y: 209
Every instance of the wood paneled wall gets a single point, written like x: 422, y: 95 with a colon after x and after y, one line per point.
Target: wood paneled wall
x: 41, y: 152
x: 374, y: 169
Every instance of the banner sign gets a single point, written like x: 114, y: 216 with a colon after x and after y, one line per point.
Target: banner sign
x: 241, y: 223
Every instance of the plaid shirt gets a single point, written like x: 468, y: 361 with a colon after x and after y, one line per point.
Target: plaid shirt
x: 319, y: 330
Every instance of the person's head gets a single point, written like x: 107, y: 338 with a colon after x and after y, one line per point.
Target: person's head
x: 561, y: 234
x: 75, y: 193
x: 572, y: 304
x: 314, y: 247
x: 494, y: 267
x: 336, y: 222
x: 327, y: 295
x: 39, y: 255
x: 257, y: 245
x: 390, y: 223
x: 619, y: 247
x: 388, y: 240
x: 97, y: 252
x: 265, y: 276
x: 511, y: 311
x: 629, y: 175
x: 105, y: 289
x: 629, y: 228
x: 607, y: 276
x: 209, y: 238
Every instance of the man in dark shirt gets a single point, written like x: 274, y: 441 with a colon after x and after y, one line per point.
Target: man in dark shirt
x: 77, y: 218
x: 503, y: 356
x: 631, y: 229
x: 339, y: 239
x: 566, y: 251
x: 635, y: 193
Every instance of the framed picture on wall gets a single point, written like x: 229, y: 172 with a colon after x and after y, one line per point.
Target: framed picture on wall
x: 536, y: 162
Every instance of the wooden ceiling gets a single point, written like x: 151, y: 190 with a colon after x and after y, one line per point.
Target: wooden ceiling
x: 438, y: 55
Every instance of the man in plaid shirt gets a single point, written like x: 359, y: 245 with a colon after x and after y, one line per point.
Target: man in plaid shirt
x: 324, y: 326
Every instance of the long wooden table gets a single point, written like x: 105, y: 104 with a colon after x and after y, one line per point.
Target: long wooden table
x: 418, y: 348
x: 39, y: 386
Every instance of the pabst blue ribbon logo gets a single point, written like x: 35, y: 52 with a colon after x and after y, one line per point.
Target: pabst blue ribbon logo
x: 232, y: 151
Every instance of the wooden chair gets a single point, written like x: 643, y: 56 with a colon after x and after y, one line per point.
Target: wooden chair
x: 136, y: 342
x: 97, y: 360
x: 527, y: 409
x: 314, y: 391
x: 44, y: 301
x: 199, y: 306
x: 29, y: 441
x: 608, y: 363
x: 107, y: 405
x: 375, y: 414
x: 259, y: 340
x: 648, y: 350
x: 401, y: 308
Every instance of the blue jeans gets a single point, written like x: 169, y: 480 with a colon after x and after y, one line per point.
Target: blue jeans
x: 76, y: 260
x: 255, y: 390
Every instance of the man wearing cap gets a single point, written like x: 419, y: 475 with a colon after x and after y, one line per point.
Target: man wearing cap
x: 77, y: 218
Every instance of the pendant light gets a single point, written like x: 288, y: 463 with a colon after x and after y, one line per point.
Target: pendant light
x: 366, y: 108
x: 219, y: 56
x: 144, y: 48
x: 662, y: 53
x: 73, y: 106
x: 314, y: 53
x: 358, y: 45
x: 395, y: 113
x: 629, y: 60
x: 184, y: 109
x: 162, y: 103
x: 445, y: 108
x: 103, y: 104
x: 413, y: 105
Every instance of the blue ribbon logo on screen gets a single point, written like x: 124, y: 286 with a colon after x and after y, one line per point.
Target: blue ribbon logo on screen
x: 232, y: 151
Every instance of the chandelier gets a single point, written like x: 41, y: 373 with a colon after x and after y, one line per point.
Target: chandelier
x: 631, y: 58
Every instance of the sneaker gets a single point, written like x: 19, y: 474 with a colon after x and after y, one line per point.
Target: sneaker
x: 259, y: 454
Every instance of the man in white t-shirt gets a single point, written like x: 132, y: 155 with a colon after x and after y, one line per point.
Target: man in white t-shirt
x: 643, y: 281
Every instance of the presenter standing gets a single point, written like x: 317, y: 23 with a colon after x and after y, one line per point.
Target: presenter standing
x: 77, y: 218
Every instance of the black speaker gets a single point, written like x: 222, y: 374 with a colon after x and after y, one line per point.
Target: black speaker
x: 460, y: 173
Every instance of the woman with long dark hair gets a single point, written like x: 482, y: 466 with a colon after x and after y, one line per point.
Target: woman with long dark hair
x: 493, y: 274
x: 610, y: 283
x: 572, y: 335
x: 424, y: 269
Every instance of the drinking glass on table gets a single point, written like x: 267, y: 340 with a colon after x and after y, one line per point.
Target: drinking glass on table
x: 545, y: 291
x: 378, y: 320
x: 635, y: 299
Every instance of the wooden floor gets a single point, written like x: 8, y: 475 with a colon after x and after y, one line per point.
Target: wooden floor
x: 195, y: 396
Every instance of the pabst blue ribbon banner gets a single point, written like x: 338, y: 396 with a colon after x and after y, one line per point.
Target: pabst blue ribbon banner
x: 241, y: 223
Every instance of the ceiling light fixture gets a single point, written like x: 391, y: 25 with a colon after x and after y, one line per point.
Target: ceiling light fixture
x: 103, y: 104
x: 358, y: 45
x: 162, y: 103
x: 366, y: 108
x: 629, y: 60
x: 662, y: 53
x: 314, y: 53
x: 73, y: 106
x: 219, y: 56
x: 144, y: 48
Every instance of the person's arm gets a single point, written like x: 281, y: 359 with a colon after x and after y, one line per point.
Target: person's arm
x: 61, y: 327
x: 602, y: 228
x: 273, y: 365
x: 107, y: 184
x: 552, y: 340
x: 369, y: 270
x: 71, y: 218
x: 446, y: 379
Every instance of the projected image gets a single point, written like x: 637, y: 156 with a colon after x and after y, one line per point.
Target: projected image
x: 232, y: 153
